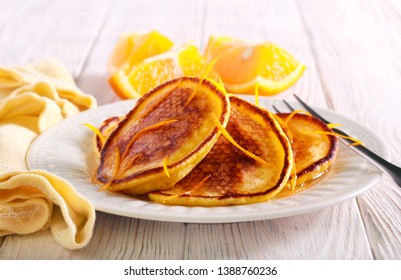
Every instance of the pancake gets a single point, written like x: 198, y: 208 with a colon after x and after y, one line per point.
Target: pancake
x: 229, y: 176
x: 105, y: 129
x: 314, y: 151
x: 168, y: 132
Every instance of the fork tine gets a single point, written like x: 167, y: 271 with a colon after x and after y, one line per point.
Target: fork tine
x: 288, y: 105
x: 277, y: 110
x: 310, y: 110
x: 317, y: 115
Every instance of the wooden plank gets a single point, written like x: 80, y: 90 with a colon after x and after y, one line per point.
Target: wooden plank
x: 8, y: 10
x: 114, y: 237
x: 40, y: 29
x: 308, y: 236
x: 362, y: 82
x: 125, y: 238
x: 60, y: 29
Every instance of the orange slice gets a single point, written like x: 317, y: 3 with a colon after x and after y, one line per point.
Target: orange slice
x: 132, y: 48
x: 153, y: 71
x: 242, y: 66
x: 216, y: 45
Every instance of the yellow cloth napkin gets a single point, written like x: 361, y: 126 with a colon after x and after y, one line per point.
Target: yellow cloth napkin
x: 33, y: 98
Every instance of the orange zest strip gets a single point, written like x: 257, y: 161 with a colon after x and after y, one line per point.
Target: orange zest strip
x: 221, y: 82
x: 219, y: 85
x: 142, y: 131
x: 154, y: 105
x: 207, y: 70
x: 96, y: 131
x: 232, y: 141
x: 289, y: 134
x: 256, y: 95
x: 165, y: 167
x: 126, y: 166
x: 289, y: 117
x: 294, y: 176
x: 287, y: 130
x: 198, y: 185
x: 118, y: 171
x: 115, y: 171
x: 119, y: 158
x: 280, y: 120
x: 356, y: 141
x: 333, y: 125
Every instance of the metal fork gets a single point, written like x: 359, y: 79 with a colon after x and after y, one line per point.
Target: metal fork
x: 386, y: 167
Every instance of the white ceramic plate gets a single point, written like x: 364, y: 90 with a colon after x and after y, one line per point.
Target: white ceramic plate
x: 66, y: 150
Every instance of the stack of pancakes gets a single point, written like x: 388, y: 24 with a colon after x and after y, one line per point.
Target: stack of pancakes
x: 188, y: 142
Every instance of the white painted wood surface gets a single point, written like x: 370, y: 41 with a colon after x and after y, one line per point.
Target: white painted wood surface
x: 351, y: 49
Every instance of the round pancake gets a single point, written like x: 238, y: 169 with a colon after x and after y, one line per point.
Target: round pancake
x: 227, y: 175
x: 314, y: 152
x: 168, y: 132
x: 106, y: 128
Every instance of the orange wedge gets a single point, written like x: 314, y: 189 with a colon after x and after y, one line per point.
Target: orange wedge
x: 217, y: 45
x: 132, y: 48
x: 242, y: 66
x: 153, y: 71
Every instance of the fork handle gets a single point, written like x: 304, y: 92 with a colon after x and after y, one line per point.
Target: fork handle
x: 386, y: 167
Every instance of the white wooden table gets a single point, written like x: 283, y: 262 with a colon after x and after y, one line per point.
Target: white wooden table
x: 353, y: 58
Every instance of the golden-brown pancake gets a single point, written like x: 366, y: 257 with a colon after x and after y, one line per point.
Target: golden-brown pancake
x: 314, y: 151
x: 105, y: 129
x: 227, y: 175
x: 168, y: 132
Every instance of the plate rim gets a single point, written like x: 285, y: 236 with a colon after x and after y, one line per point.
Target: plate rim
x: 174, y: 217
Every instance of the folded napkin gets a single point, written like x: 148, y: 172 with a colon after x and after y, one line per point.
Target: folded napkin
x: 33, y: 98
